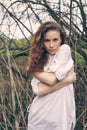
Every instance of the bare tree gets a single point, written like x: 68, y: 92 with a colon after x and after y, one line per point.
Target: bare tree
x: 23, y: 16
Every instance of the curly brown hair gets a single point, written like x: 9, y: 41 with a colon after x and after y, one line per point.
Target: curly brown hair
x: 39, y: 56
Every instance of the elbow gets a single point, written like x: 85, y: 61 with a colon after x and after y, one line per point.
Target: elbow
x: 52, y: 81
x: 42, y: 93
x: 39, y: 92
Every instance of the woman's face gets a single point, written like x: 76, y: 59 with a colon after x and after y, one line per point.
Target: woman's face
x: 52, y: 41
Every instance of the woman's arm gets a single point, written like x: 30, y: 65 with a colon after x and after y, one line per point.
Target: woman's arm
x: 46, y: 89
x: 48, y: 78
x: 63, y: 63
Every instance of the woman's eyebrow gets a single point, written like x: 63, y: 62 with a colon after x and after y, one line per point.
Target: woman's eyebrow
x: 46, y: 39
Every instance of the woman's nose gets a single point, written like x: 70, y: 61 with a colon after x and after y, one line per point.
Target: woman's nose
x: 51, y: 44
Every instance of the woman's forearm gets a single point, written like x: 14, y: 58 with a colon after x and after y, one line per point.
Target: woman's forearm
x: 46, y: 89
x: 48, y: 78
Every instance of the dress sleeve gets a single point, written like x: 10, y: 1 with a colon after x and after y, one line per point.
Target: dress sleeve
x: 34, y: 83
x: 63, y: 61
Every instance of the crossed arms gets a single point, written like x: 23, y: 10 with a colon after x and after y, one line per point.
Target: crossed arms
x: 62, y: 76
x: 49, y: 83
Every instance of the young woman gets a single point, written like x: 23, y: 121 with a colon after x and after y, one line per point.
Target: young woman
x: 50, y: 63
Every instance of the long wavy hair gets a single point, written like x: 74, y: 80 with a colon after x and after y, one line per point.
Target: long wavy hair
x: 38, y: 57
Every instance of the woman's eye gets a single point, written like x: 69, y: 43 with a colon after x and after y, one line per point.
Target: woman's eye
x: 46, y: 40
x: 55, y: 40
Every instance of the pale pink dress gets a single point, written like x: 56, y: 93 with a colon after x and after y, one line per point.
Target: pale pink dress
x: 55, y: 111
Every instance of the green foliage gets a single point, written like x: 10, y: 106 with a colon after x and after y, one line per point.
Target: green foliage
x: 85, y: 51
x: 21, y: 43
x: 78, y: 58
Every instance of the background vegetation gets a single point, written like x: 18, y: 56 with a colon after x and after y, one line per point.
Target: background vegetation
x: 25, y: 15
